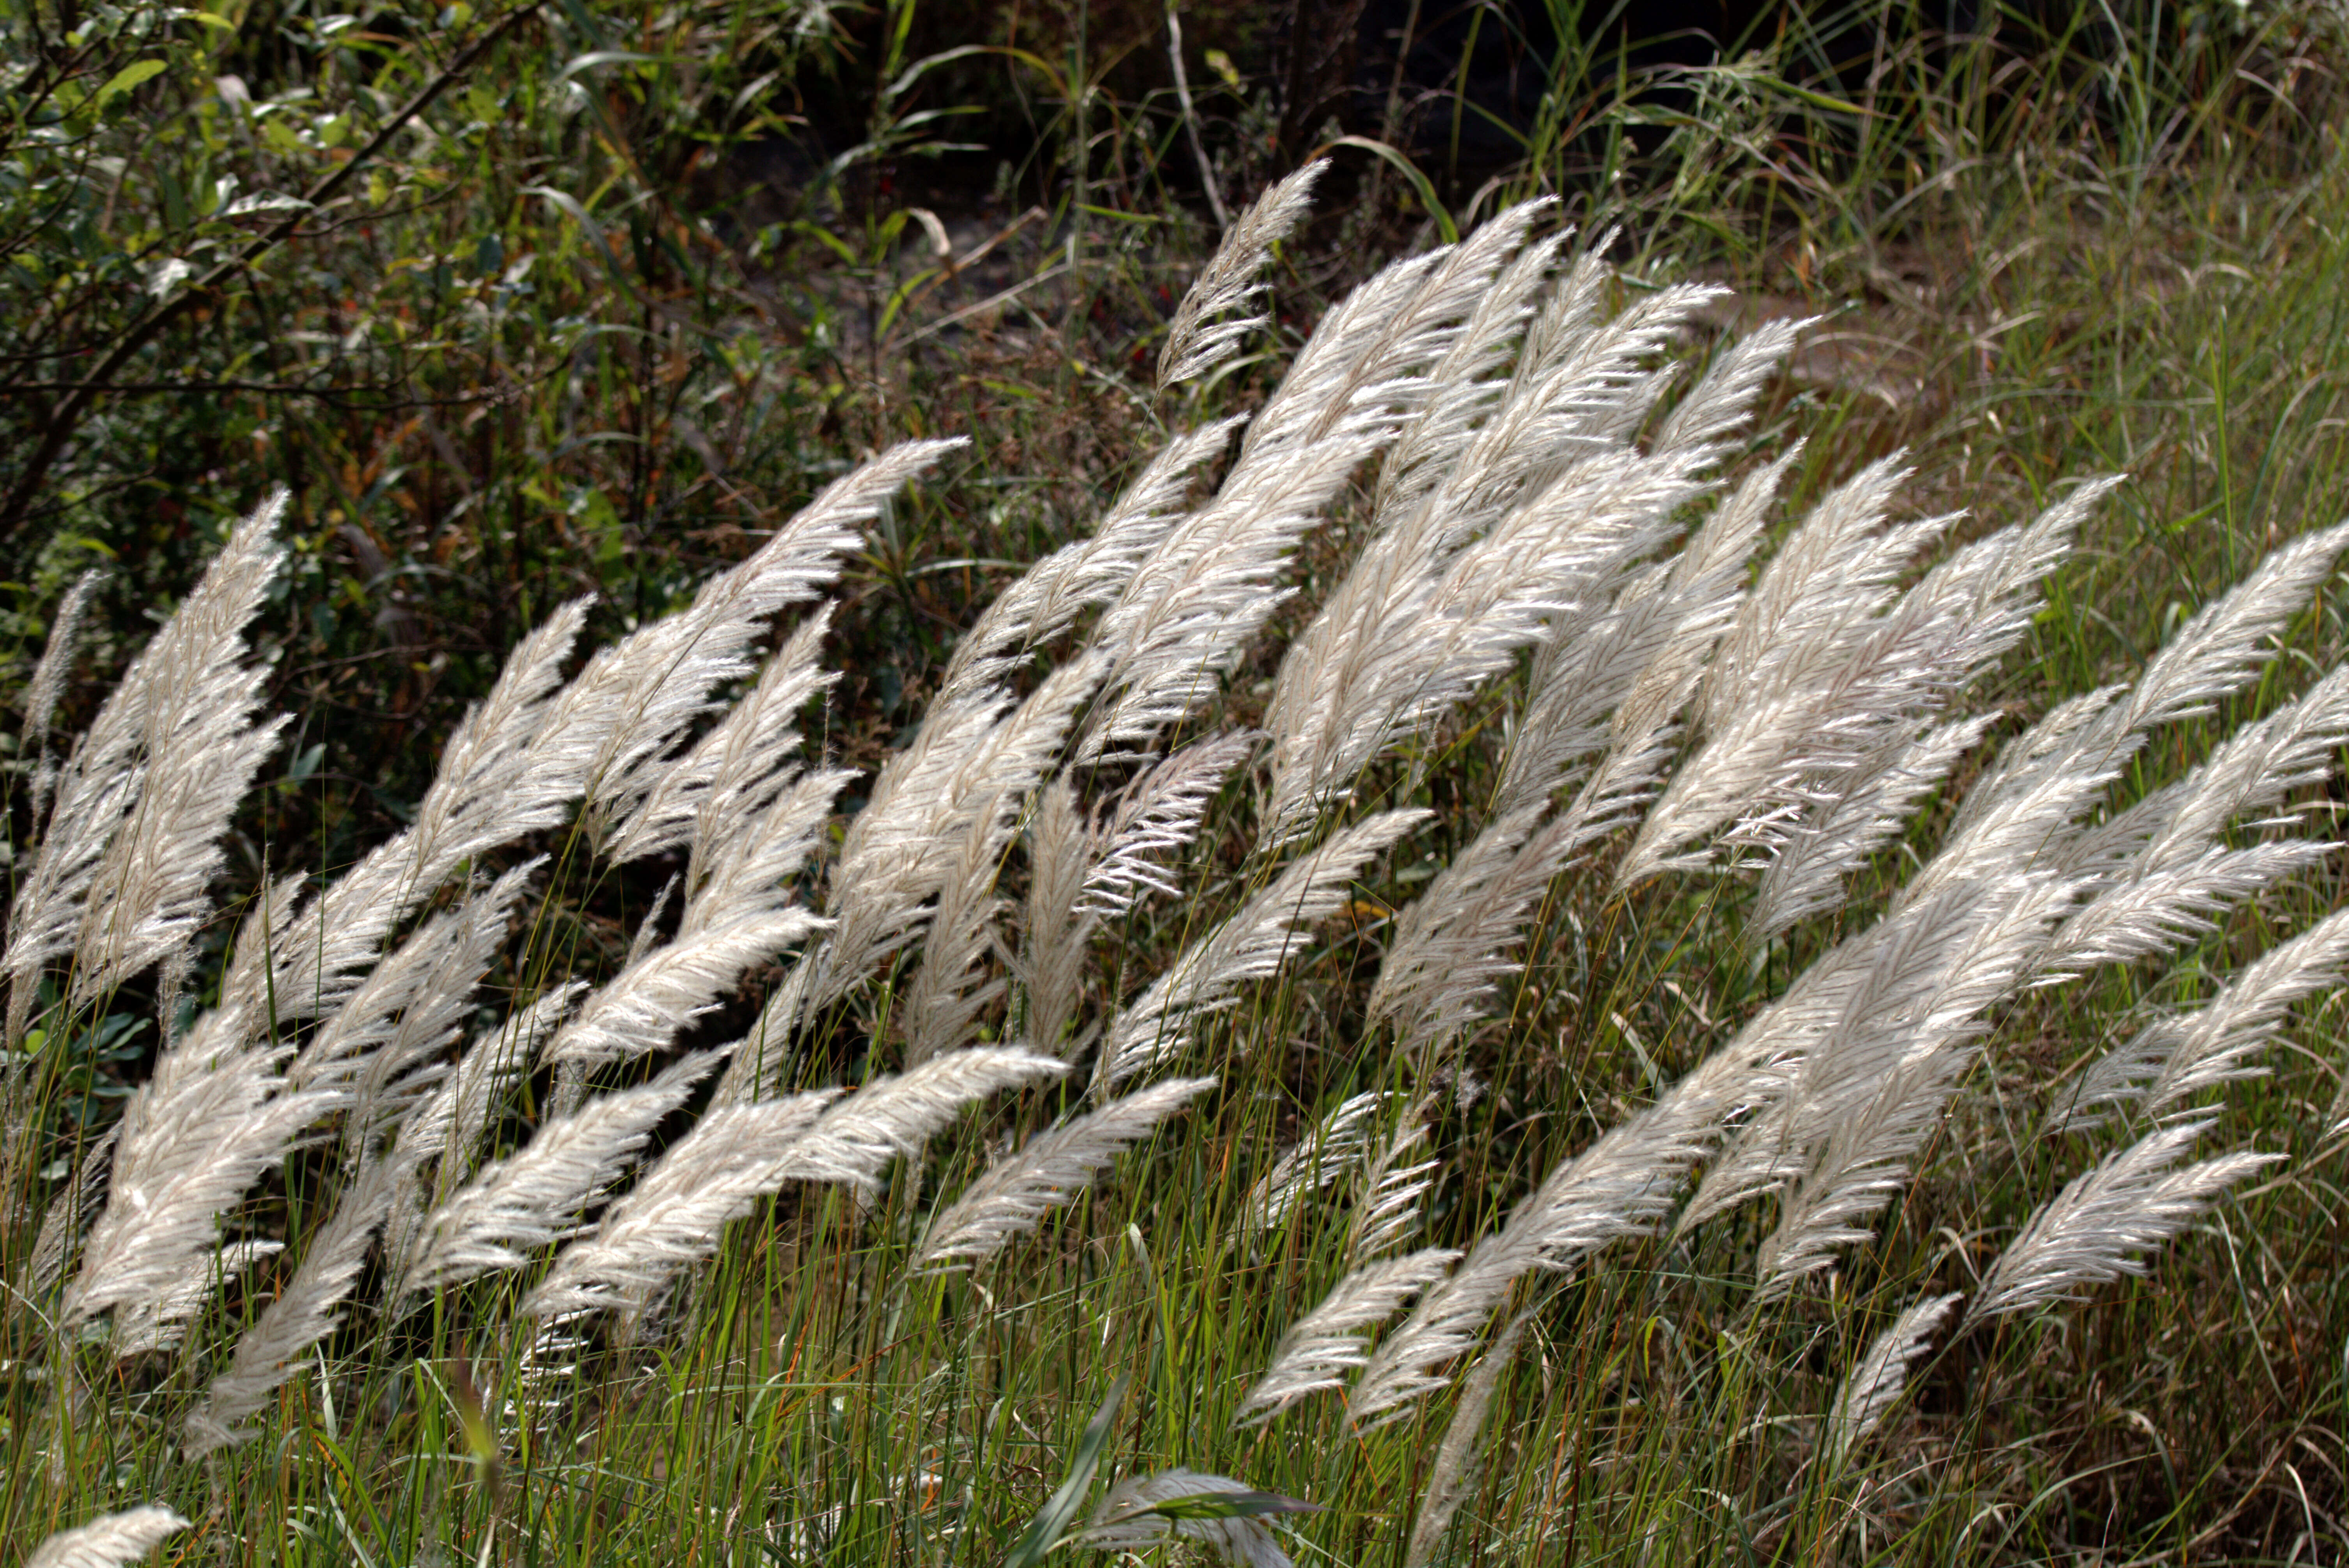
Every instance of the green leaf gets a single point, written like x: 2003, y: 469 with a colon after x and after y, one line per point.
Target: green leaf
x: 304, y: 765
x: 1138, y: 219
x: 1410, y: 171
x: 914, y: 72
x: 123, y: 80
x: 1052, y: 1522
x: 595, y: 57
x: 1814, y: 98
x: 1224, y: 1505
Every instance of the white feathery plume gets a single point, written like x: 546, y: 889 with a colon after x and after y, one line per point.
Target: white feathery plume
x: 1569, y: 316
x: 1159, y: 814
x: 1049, y: 1171
x: 1862, y: 1166
x: 162, y: 1323
x: 617, y: 719
x: 1082, y: 874
x: 129, y: 848
x: 1700, y: 604
x: 1718, y: 406
x: 70, y: 1212
x: 520, y: 760
x: 1452, y: 944
x: 1050, y: 595
x: 1466, y: 389
x: 641, y: 1009
x: 648, y: 924
x: 149, y: 896
x: 744, y: 869
x: 42, y: 693
x: 674, y: 1215
x: 2161, y: 911
x: 1770, y: 1149
x: 1053, y: 957
x: 1197, y: 340
x: 1446, y: 590
x: 1571, y: 397
x: 1619, y: 426
x: 2223, y: 647
x: 1836, y: 567
x: 1825, y: 681
x: 1338, y: 1142
x: 1876, y: 801
x: 1324, y: 1346
x: 1640, y: 656
x: 1590, y: 398
x: 433, y: 972
x: 1622, y: 1185
x: 108, y: 1540
x: 1896, y: 1016
x: 455, y: 1117
x: 941, y: 1005
x: 451, y: 1121
x: 1124, y: 1522
x: 546, y: 1373
x: 2021, y: 810
x: 1208, y: 588
x: 2027, y: 806
x: 1641, y: 659
x: 1937, y: 640
x: 1895, y: 962
x: 47, y: 687
x: 1198, y: 599
x: 924, y: 798
x: 1451, y: 1476
x: 1967, y: 613
x: 1873, y: 1387
x: 734, y: 772
x: 484, y: 792
x: 303, y: 1314
x: 2026, y: 762
x: 1768, y: 1154
x: 966, y: 763
x: 1252, y: 944
x: 195, y: 1137
x: 2098, y: 1226
x: 1796, y: 687
x: 857, y: 1139
x: 756, y: 1063
x: 1564, y: 321
x: 2163, y: 871
x: 1393, y: 1196
x: 295, y: 959
x: 2252, y: 771
x: 2189, y: 1052
x: 534, y: 1196
x: 407, y: 1012
x: 1438, y: 638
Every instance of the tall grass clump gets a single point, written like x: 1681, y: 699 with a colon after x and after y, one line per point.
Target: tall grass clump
x: 1543, y: 1065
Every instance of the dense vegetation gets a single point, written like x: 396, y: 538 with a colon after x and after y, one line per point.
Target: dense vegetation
x: 572, y: 298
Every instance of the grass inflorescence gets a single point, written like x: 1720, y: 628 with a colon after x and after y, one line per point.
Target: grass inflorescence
x: 1652, y: 886
x: 518, y: 1248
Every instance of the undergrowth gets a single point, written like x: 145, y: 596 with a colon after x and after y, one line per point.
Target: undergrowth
x: 2030, y: 254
